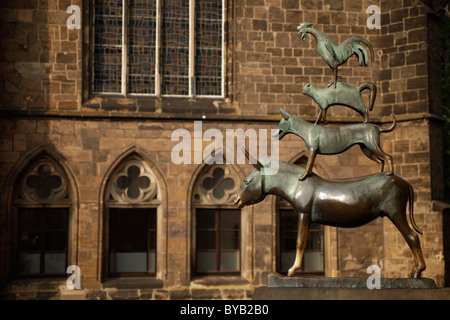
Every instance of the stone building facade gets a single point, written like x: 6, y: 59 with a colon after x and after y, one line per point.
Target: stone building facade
x: 79, y: 144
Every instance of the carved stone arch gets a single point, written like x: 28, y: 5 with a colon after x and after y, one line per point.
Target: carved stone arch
x: 133, y: 180
x: 39, y: 154
x: 216, y: 185
x: 205, y: 194
x: 44, y: 182
x: 41, y: 178
x: 131, y: 156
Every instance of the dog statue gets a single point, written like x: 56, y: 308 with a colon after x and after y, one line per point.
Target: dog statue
x: 329, y: 140
x: 344, y: 94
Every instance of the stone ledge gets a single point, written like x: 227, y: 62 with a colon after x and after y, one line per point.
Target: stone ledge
x: 211, y: 281
x: 167, y: 116
x: 133, y: 283
x: 279, y: 281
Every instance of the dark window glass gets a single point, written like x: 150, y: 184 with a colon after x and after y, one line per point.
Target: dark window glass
x: 175, y: 48
x: 208, y: 47
x: 108, y: 46
x: 140, y: 33
x: 142, y: 46
x: 217, y: 240
x: 132, y: 235
x: 42, y: 241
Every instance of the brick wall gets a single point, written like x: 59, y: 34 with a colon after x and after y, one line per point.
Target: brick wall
x: 41, y: 57
x: 274, y: 63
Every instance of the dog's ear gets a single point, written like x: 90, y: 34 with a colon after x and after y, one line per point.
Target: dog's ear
x: 284, y: 114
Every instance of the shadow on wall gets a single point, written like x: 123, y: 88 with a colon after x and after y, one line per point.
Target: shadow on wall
x: 26, y: 59
x: 446, y: 236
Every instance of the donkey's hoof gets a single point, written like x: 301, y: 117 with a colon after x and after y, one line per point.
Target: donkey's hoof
x: 291, y: 272
x: 416, y: 273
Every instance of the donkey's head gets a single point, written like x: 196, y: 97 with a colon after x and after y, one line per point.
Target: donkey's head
x: 284, y: 126
x: 252, y: 190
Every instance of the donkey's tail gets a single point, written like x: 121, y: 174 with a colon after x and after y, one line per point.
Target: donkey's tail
x: 411, y: 213
x: 373, y: 92
x: 394, y: 123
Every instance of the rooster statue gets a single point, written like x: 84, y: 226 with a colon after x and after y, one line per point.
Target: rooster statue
x: 335, y: 55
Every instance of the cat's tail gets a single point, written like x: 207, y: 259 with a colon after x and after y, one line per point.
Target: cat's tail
x: 373, y: 92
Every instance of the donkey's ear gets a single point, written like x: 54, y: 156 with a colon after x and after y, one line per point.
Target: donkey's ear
x: 255, y: 163
x: 284, y: 114
x: 258, y: 165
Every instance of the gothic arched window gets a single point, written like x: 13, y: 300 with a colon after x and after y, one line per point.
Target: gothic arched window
x: 43, y: 208
x: 131, y: 201
x: 217, y: 239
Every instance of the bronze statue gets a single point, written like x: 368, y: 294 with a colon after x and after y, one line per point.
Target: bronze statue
x: 345, y: 203
x: 344, y: 94
x: 335, y: 55
x: 334, y: 140
x: 340, y: 203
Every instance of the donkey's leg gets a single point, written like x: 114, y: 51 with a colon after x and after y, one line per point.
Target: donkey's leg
x: 399, y: 220
x: 302, y: 239
x: 309, y: 164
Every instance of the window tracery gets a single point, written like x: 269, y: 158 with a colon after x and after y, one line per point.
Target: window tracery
x: 44, y: 182
x: 217, y: 185
x: 133, y: 182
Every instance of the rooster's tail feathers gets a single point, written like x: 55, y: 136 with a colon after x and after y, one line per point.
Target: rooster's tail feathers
x: 354, y: 43
x: 358, y: 49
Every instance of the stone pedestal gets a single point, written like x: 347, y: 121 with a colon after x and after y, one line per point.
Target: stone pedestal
x: 279, y: 281
x: 287, y: 288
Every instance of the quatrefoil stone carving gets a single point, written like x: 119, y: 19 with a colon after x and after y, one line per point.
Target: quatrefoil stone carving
x: 133, y: 182
x: 43, y: 183
x: 216, y: 186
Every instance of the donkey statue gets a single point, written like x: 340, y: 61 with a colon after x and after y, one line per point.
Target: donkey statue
x: 344, y: 203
